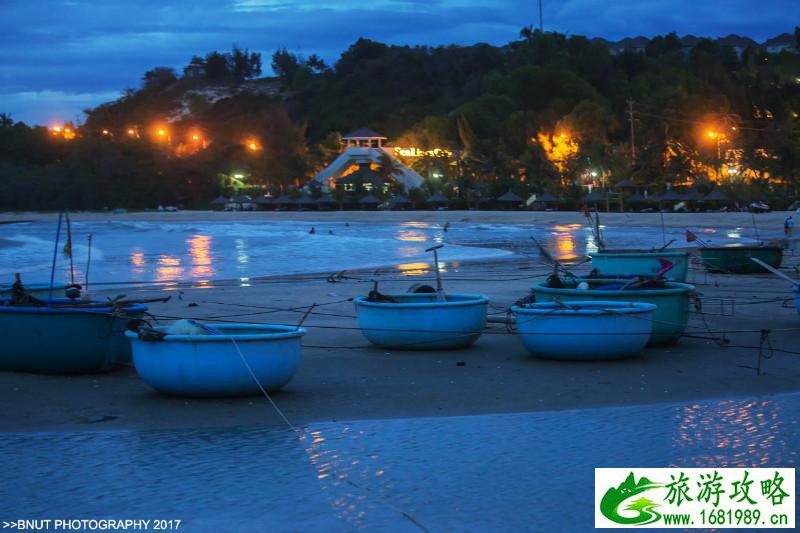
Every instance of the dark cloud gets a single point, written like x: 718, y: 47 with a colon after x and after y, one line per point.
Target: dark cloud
x: 75, y: 53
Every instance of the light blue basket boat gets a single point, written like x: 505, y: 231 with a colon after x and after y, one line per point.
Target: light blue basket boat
x: 584, y: 330
x: 419, y: 322
x: 212, y: 366
x: 671, y: 315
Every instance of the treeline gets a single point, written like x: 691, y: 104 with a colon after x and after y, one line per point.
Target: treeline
x: 545, y: 112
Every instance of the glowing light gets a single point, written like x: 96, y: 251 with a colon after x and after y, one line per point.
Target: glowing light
x: 132, y: 132
x: 559, y: 149
x: 195, y: 137
x: 711, y: 134
x: 105, y: 132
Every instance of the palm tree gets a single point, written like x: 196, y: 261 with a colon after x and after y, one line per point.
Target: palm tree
x: 388, y: 167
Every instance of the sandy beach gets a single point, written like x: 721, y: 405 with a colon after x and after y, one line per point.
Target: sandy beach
x: 343, y: 378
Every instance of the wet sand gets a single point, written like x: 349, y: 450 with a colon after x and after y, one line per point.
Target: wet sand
x: 343, y: 378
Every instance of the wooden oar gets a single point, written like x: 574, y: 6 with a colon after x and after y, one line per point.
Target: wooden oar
x: 440, y: 296
x: 666, y: 245
x: 776, y: 272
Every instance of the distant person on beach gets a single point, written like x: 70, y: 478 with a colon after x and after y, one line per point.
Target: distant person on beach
x: 330, y: 232
x: 788, y: 230
x: 446, y: 226
x: 312, y: 231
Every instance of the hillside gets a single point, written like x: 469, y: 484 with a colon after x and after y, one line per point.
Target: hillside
x: 545, y: 112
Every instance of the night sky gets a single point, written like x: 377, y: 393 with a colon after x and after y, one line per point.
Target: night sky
x: 58, y: 57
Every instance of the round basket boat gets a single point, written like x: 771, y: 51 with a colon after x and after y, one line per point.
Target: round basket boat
x: 672, y: 302
x: 797, y: 300
x: 65, y: 340
x: 625, y: 263
x: 584, y: 330
x: 737, y: 258
x: 211, y: 365
x: 420, y: 322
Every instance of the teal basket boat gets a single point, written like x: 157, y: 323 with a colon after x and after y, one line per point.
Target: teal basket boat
x: 40, y: 291
x: 737, y: 258
x: 631, y: 263
x: 670, y: 317
x: 65, y: 340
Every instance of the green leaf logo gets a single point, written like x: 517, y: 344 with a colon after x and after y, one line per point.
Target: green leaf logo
x: 614, y: 498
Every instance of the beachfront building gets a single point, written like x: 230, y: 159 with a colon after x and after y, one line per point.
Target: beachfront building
x: 362, y: 151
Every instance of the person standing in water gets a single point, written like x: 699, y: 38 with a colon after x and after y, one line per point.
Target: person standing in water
x: 312, y: 231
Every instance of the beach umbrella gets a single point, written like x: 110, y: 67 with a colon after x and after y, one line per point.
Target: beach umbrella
x: 284, y: 199
x: 326, y: 199
x: 399, y: 200
x: 637, y: 198
x: 670, y: 196
x: 716, y: 195
x: 438, y: 198
x: 594, y: 196
x: 510, y: 197
x: 693, y: 196
x: 546, y: 198
x: 306, y: 200
x: 219, y: 200
x: 264, y: 200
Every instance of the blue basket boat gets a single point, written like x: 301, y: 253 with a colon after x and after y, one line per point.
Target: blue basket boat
x: 670, y: 317
x: 40, y: 291
x: 212, y: 365
x: 584, y: 330
x: 65, y: 340
x: 624, y: 263
x: 420, y: 322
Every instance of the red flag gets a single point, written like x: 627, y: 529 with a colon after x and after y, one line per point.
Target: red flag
x: 666, y: 266
x: 690, y: 237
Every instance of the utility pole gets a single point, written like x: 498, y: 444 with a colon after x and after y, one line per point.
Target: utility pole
x: 633, y: 131
x: 541, y: 21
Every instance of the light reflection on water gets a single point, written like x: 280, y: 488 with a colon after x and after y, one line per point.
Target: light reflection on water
x: 134, y: 252
x: 492, y: 471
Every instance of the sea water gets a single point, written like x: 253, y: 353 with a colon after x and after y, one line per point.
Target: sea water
x: 512, y: 472
x: 203, y: 252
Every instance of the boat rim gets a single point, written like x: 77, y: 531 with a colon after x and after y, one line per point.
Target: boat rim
x: 470, y: 299
x: 133, y: 308
x: 671, y: 288
x: 739, y: 246
x: 637, y: 253
x: 600, y: 308
x: 278, y: 332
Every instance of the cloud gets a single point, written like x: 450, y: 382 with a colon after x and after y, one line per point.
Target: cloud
x: 92, y: 48
x: 51, y: 107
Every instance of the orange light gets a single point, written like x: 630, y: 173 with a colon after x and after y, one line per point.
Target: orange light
x: 106, y: 132
x: 131, y: 132
x: 252, y: 145
x: 712, y: 134
x: 55, y: 130
x: 161, y: 132
x: 195, y: 137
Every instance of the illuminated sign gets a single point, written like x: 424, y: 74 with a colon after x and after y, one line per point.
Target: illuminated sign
x: 417, y: 152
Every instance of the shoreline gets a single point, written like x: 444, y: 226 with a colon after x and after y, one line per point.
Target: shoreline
x: 343, y: 378
x: 671, y: 220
